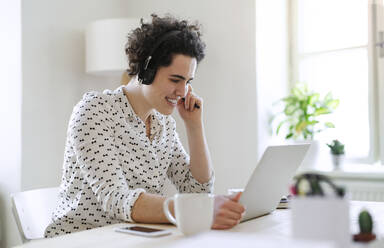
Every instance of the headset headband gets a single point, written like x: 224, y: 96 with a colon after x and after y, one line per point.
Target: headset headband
x: 157, y: 44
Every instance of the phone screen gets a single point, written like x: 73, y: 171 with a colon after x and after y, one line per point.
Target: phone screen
x: 142, y: 229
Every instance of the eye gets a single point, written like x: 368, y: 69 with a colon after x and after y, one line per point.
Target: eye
x: 189, y: 81
x: 174, y: 80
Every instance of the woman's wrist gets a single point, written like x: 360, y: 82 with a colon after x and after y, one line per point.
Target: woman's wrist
x: 194, y: 126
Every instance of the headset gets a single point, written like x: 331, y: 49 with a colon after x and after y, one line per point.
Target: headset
x: 147, y: 74
x: 314, y: 182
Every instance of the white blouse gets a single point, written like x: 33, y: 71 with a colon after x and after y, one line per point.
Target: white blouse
x: 109, y: 161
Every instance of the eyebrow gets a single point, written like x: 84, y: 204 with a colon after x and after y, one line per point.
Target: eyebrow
x: 179, y: 76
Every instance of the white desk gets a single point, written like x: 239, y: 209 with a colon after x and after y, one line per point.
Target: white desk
x: 272, y: 230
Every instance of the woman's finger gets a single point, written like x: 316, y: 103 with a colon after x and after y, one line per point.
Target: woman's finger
x: 192, y: 102
x: 225, y: 222
x: 236, y: 197
x: 220, y: 227
x: 188, y: 96
x: 233, y: 206
x: 226, y: 213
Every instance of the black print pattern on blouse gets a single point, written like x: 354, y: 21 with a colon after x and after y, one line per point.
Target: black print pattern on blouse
x: 109, y: 161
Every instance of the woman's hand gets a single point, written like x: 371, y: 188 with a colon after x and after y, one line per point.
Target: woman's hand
x: 227, y: 211
x: 191, y: 115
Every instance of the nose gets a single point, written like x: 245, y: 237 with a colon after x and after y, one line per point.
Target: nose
x: 181, y: 89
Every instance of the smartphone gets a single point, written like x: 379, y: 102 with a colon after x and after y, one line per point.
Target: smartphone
x: 143, y: 231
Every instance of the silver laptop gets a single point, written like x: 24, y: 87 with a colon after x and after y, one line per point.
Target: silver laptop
x: 270, y: 179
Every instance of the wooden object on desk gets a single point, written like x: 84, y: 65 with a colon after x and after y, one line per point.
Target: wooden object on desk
x: 274, y: 228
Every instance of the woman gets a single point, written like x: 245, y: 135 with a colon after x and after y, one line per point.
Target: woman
x: 122, y: 145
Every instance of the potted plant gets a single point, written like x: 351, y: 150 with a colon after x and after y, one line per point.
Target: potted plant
x: 302, y: 109
x: 337, y: 151
x: 366, y: 227
x: 301, y: 118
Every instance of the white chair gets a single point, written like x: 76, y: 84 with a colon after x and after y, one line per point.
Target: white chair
x: 33, y: 210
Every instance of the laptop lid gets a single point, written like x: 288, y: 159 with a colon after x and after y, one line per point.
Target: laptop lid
x: 270, y: 179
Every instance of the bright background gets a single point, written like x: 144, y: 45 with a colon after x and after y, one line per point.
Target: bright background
x: 246, y: 70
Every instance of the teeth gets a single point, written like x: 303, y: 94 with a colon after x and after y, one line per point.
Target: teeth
x: 173, y: 101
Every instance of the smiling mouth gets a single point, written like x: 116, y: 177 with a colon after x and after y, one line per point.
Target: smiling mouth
x: 172, y: 101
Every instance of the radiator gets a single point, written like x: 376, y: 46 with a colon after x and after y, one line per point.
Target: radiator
x: 363, y: 190
x: 367, y: 194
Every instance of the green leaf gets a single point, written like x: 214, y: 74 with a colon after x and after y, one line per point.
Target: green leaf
x: 289, y: 136
x: 329, y: 125
x: 300, y: 126
x: 312, y: 122
x: 313, y: 98
x: 279, y: 126
x: 298, y: 92
x: 290, y: 109
x: 321, y: 111
x: 291, y: 127
x: 290, y: 99
x: 303, y: 105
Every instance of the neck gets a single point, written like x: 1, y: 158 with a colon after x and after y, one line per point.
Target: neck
x: 133, y: 91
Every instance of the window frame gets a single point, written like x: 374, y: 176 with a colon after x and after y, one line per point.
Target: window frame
x: 375, y: 86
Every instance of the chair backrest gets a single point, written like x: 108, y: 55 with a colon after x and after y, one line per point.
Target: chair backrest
x: 33, y: 211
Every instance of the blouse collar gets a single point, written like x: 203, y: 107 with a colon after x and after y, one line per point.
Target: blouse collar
x: 157, y: 121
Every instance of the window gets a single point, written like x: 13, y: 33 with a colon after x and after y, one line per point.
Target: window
x: 332, y: 49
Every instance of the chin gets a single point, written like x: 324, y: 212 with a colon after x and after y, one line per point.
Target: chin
x: 165, y: 111
x: 164, y: 107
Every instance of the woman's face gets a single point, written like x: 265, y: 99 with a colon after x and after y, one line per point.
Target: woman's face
x: 170, y: 84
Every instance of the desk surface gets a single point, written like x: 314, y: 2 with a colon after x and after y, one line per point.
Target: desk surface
x: 270, y: 231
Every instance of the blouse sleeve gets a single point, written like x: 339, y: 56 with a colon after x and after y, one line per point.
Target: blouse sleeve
x: 179, y: 171
x: 92, y: 133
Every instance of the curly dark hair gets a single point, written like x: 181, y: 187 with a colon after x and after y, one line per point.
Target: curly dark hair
x: 142, y: 39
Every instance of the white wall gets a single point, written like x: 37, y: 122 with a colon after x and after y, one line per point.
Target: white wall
x: 10, y: 112
x: 54, y: 79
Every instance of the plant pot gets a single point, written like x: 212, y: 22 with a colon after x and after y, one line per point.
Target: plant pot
x: 337, y: 160
x: 364, y: 237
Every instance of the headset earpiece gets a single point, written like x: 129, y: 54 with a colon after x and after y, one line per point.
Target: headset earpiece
x: 148, y: 76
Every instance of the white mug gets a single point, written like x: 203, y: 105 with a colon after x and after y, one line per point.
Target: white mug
x: 193, y: 212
